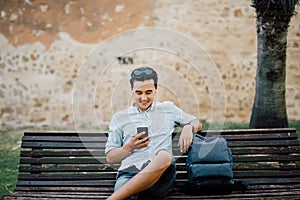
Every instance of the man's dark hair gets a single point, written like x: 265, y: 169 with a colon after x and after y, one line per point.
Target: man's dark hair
x: 142, y: 74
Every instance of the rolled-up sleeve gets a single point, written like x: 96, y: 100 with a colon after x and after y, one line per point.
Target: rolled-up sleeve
x: 181, y: 117
x: 115, y: 136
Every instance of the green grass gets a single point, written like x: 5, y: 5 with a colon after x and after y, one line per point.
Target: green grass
x: 292, y: 124
x: 296, y: 125
x: 10, y: 142
x: 226, y: 126
x: 9, y: 158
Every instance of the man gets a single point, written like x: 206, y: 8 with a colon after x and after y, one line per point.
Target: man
x: 147, y: 164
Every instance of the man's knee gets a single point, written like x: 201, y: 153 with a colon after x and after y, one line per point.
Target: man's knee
x: 161, y: 161
x: 165, y: 157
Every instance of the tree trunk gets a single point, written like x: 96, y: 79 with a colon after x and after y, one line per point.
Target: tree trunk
x: 269, y: 108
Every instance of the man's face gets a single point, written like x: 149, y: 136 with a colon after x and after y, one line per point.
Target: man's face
x: 143, y: 93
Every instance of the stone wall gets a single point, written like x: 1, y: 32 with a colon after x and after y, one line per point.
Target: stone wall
x: 54, y: 55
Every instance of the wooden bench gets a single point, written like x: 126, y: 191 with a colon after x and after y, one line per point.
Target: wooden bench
x: 71, y: 165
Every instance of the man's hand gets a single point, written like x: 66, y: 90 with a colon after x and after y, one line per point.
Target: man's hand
x: 118, y: 154
x: 136, y: 143
x: 186, y: 138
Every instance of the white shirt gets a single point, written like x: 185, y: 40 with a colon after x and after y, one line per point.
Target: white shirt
x: 160, y: 118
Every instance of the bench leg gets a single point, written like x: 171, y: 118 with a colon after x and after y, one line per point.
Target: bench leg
x: 145, y: 178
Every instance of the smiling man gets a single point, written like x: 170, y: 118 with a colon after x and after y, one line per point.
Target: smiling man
x: 147, y: 163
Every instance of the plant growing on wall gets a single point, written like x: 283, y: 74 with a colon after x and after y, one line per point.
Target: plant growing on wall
x: 272, y: 20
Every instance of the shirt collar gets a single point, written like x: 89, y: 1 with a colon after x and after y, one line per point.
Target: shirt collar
x: 136, y: 109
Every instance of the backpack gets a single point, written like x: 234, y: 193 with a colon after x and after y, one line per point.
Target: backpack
x: 209, y: 166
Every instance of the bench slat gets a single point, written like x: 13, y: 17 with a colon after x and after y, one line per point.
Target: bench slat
x: 262, y: 195
x: 98, y: 160
x: 99, y: 152
x: 95, y: 168
x: 256, y: 174
x: 59, y: 177
x: 45, y: 153
x: 266, y: 150
x: 63, y: 139
x: 111, y: 176
x: 266, y: 166
x: 82, y: 183
x: 257, y: 158
x: 65, y: 133
x: 283, y: 187
x: 253, y: 151
x: 250, y: 131
x: 74, y: 137
x: 256, y: 181
x: 179, y: 167
x: 65, y: 188
x: 269, y: 143
x: 69, y: 195
x: 243, y: 143
x: 261, y: 136
x: 254, y: 166
x: 61, y: 161
x: 266, y: 158
x: 62, y: 145
x: 267, y: 174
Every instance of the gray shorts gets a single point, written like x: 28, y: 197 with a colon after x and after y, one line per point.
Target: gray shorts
x: 160, y: 189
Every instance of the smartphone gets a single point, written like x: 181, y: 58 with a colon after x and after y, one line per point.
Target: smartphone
x: 141, y: 129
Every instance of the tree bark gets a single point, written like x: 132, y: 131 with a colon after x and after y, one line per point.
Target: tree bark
x: 269, y: 108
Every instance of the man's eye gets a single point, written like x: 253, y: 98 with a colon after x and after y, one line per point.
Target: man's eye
x: 138, y: 92
x: 149, y: 92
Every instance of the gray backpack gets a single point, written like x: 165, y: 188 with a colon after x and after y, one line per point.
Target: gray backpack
x: 209, y: 166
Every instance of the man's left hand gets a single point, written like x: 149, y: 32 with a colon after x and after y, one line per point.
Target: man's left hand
x: 186, y: 138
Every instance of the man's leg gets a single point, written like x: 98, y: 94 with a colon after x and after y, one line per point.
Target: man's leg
x: 146, y: 178
x: 122, y: 178
x: 164, y: 185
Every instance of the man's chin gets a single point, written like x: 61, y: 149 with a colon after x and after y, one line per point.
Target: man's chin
x: 144, y: 106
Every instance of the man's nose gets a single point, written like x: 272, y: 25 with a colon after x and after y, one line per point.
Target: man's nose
x: 144, y: 97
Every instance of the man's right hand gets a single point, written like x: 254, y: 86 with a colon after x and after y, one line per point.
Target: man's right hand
x: 118, y: 154
x: 137, y: 143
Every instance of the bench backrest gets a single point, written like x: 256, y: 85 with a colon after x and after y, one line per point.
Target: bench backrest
x: 60, y: 161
